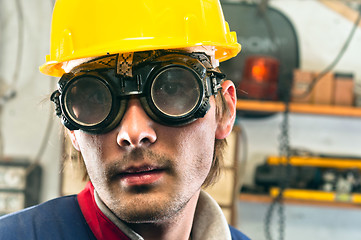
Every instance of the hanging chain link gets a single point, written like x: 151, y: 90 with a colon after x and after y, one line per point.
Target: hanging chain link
x: 284, y: 144
x: 284, y: 152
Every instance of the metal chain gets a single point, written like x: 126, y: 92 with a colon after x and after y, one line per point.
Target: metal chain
x: 285, y: 149
x: 284, y: 152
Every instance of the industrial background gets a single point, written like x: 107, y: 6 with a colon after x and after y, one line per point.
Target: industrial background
x: 307, y: 36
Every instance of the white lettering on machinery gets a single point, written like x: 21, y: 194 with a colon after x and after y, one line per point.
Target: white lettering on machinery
x: 258, y: 44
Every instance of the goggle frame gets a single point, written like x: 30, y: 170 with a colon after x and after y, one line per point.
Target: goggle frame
x: 123, y: 87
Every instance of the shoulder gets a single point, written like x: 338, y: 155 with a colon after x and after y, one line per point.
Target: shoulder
x: 56, y: 219
x: 237, y: 235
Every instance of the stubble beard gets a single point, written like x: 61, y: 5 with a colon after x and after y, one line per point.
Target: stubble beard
x: 143, y: 206
x: 151, y: 211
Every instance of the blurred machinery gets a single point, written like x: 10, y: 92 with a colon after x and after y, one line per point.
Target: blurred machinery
x: 323, y: 178
x: 270, y: 51
x: 19, y: 185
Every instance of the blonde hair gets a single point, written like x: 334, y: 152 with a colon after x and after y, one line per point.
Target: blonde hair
x: 219, y: 145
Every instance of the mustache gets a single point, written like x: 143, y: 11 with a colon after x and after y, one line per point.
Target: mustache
x: 141, y: 156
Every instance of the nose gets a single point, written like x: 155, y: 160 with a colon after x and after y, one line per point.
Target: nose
x: 136, y: 128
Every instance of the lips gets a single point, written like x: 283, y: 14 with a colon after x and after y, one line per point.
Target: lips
x: 141, y: 175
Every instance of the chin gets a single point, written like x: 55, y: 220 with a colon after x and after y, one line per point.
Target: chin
x: 149, y: 215
x: 150, y: 210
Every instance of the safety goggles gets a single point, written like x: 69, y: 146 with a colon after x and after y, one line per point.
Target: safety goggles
x: 173, y: 88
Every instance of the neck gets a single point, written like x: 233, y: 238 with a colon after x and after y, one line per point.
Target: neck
x: 178, y: 227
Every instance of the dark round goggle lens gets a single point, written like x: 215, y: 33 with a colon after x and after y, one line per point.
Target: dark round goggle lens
x: 175, y: 91
x: 88, y: 101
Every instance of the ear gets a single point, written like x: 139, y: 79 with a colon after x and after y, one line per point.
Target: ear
x: 73, y: 139
x: 225, y: 124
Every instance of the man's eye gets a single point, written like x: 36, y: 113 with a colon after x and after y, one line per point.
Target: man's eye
x: 174, y: 88
x: 96, y: 98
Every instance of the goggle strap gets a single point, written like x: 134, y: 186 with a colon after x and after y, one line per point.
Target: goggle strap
x: 124, y: 64
x: 203, y: 58
x: 103, y: 62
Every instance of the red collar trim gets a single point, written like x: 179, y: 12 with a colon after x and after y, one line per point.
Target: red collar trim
x: 102, y: 227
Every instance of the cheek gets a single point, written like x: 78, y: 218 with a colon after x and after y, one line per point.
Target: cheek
x: 92, y: 150
x: 95, y: 146
x: 196, y: 145
x: 87, y: 144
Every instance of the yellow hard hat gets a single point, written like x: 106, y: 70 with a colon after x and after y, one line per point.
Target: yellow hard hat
x: 90, y: 28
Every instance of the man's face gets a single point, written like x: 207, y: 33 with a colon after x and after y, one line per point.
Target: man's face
x: 144, y: 171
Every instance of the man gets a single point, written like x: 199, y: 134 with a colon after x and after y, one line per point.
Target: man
x: 146, y: 106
